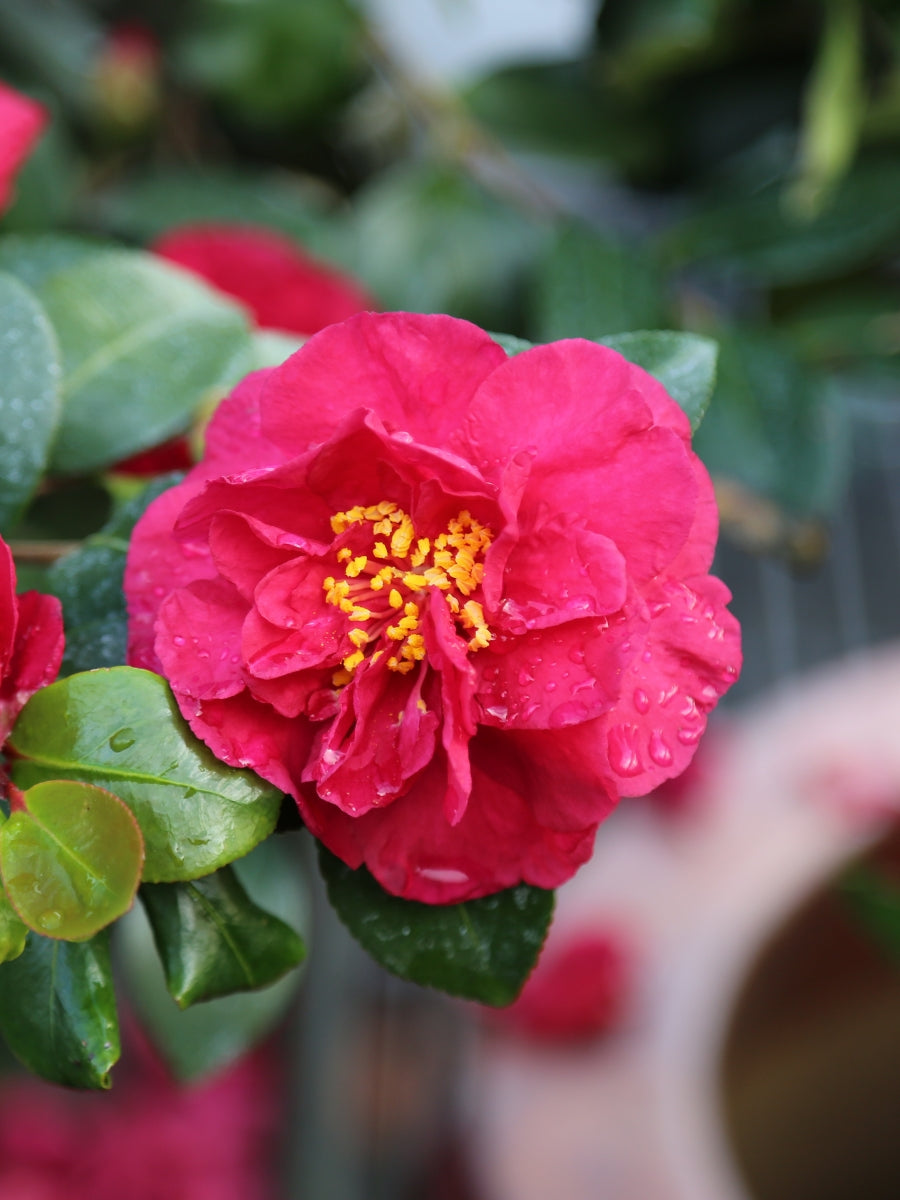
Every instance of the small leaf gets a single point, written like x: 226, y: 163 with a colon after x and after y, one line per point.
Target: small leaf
x: 12, y: 931
x: 482, y: 949
x: 71, y: 859
x: 684, y: 363
x: 143, y: 345
x: 58, y: 1010
x: 213, y: 940
x: 873, y: 897
x: 120, y: 729
x: 205, y: 1037
x: 30, y: 402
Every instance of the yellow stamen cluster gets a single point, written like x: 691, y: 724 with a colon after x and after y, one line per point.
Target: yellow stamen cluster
x: 377, y: 587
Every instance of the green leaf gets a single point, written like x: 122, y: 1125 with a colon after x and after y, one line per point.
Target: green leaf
x: 35, y: 259
x: 684, y: 363
x: 120, y: 729
x: 482, y: 949
x: 30, y: 376
x: 270, y: 349
x: 203, y: 1038
x: 213, y: 940
x: 58, y: 1010
x: 143, y: 346
x: 71, y: 859
x: 773, y: 426
x: 12, y: 931
x: 89, y: 583
x: 590, y: 286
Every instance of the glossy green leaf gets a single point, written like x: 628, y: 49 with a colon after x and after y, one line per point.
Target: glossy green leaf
x: 205, y: 1037
x: 684, y: 363
x: 30, y: 376
x: 270, y: 348
x: 773, y: 426
x: 89, y: 583
x: 143, y: 346
x: 121, y: 729
x: 12, y: 931
x: 591, y: 286
x: 58, y: 1010
x: 482, y: 949
x: 213, y: 940
x: 71, y: 859
x: 35, y: 258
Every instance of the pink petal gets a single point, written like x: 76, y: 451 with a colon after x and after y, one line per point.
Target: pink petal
x: 418, y: 373
x: 9, y: 608
x: 283, y: 287
x: 382, y: 737
x: 198, y: 639
x: 244, y: 549
x: 36, y: 655
x: 271, y: 651
x: 21, y: 123
x: 558, y: 573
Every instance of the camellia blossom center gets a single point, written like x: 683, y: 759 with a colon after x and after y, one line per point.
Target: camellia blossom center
x: 386, y: 570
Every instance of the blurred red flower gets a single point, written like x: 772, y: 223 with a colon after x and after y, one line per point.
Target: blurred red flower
x: 282, y: 286
x: 21, y: 123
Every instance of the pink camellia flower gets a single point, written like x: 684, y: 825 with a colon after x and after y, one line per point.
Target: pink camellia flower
x: 31, y: 642
x: 284, y: 288
x: 21, y: 123
x: 455, y: 603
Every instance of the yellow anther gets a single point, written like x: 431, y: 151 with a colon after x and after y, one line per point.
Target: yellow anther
x: 379, y: 550
x: 357, y: 566
x: 395, y: 599
x: 395, y: 633
x: 341, y: 678
x: 344, y: 554
x: 358, y: 613
x: 328, y: 583
x: 421, y: 706
x: 453, y: 603
x: 376, y: 583
x: 414, y: 582
x: 358, y: 637
x: 408, y: 624
x: 384, y: 527
x: 410, y: 609
x: 401, y: 538
x: 352, y: 661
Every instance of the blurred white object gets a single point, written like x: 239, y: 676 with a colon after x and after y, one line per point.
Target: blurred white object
x: 454, y: 41
x: 802, y: 781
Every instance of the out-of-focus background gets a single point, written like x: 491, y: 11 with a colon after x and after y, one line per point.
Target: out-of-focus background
x: 716, y: 1014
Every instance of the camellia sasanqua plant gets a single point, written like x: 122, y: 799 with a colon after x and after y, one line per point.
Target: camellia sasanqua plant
x: 435, y: 596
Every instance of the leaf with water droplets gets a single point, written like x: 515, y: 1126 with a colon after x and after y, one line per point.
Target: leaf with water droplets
x: 12, y: 931
x: 58, y: 1010
x: 481, y: 949
x: 120, y: 729
x: 143, y: 346
x: 71, y: 856
x: 30, y: 402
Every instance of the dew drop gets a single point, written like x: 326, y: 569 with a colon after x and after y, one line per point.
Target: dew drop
x: 623, y: 751
x: 121, y: 740
x: 525, y: 677
x: 178, y: 640
x: 550, y: 686
x: 646, y: 656
x: 690, y: 737
x: 641, y: 701
x: 659, y: 751
x: 499, y: 711
x: 50, y: 920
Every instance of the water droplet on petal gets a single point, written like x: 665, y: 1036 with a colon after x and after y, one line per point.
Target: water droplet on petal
x: 550, y: 685
x: 121, y: 740
x: 690, y: 737
x: 659, y: 751
x: 641, y: 701
x: 501, y: 712
x: 623, y: 750
x: 525, y: 677
x: 50, y: 920
x: 178, y: 640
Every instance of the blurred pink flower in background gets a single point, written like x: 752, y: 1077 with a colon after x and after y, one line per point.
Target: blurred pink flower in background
x: 148, y: 1139
x: 283, y: 287
x: 21, y: 123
